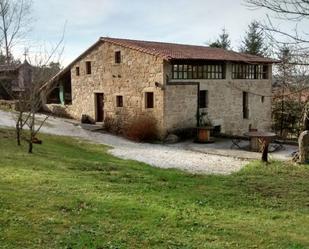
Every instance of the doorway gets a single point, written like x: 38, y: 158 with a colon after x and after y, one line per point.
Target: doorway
x: 99, y: 102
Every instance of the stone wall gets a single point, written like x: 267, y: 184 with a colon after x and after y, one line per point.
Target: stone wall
x: 224, y: 106
x: 180, y: 107
x: 7, y: 105
x: 59, y: 110
x: 135, y: 75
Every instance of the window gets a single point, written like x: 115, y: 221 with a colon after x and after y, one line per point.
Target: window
x: 117, y: 57
x: 149, y: 99
x: 262, y: 99
x: 119, y: 101
x: 77, y: 71
x: 203, y: 99
x: 265, y: 72
x: 198, y: 71
x: 245, y: 105
x: 88, y: 67
x: 249, y: 71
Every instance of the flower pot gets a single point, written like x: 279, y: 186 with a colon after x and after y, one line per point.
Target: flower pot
x: 203, y: 134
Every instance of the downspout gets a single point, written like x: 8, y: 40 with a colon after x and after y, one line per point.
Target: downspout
x: 168, y: 83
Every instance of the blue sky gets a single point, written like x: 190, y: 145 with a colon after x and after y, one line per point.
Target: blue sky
x: 181, y: 21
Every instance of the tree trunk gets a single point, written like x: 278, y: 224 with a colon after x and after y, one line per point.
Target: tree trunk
x: 282, y: 110
x: 19, y: 127
x: 265, y: 152
x: 32, y: 132
x: 18, y: 134
x: 30, y: 148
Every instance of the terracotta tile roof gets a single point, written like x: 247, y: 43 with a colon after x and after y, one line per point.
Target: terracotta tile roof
x: 173, y: 51
x: 170, y: 51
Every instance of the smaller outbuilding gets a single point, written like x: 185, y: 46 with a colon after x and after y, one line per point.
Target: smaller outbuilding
x: 14, y: 78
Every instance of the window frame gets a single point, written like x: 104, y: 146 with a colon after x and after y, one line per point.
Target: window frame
x: 119, y: 100
x: 77, y: 71
x: 203, y: 99
x: 149, y: 102
x: 117, y: 57
x: 201, y: 70
x: 245, y: 105
x: 88, y: 67
x: 249, y: 71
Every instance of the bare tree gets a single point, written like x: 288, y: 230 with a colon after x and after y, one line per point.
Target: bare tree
x: 285, y: 28
x: 14, y: 23
x: 15, y: 16
x: 293, y: 11
x: 31, y: 99
x: 28, y: 99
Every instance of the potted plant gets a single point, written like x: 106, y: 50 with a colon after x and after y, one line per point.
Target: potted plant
x: 204, y: 128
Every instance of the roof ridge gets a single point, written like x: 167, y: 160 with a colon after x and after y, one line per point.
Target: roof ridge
x: 158, y: 42
x: 117, y: 41
x: 168, y: 50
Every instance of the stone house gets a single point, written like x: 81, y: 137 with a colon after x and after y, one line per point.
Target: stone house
x: 172, y: 83
x: 14, y: 78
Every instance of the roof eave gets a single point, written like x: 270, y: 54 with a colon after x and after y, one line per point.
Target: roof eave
x: 157, y: 54
x: 225, y: 60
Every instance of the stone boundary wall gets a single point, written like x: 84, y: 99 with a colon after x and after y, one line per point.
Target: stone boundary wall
x: 7, y: 104
x: 59, y: 110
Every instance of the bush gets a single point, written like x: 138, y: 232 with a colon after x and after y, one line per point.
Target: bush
x: 113, y: 125
x: 142, y: 129
x: 86, y: 119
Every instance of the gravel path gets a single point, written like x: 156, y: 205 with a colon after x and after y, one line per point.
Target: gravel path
x: 163, y: 156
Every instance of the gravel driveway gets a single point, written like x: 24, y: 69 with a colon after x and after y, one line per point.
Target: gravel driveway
x: 163, y: 156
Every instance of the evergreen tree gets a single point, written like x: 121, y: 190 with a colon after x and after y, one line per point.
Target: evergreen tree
x: 223, y: 41
x: 253, y: 43
x: 285, y: 67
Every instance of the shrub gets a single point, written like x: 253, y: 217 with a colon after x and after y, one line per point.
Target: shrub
x: 86, y: 119
x: 142, y: 129
x: 113, y: 125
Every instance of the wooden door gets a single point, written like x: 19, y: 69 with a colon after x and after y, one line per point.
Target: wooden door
x: 99, y: 107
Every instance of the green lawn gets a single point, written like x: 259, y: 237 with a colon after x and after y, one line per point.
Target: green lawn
x: 70, y: 194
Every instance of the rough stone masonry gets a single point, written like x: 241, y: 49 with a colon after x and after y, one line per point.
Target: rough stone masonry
x: 147, y: 67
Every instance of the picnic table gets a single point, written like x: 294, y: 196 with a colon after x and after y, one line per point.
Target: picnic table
x: 259, y: 139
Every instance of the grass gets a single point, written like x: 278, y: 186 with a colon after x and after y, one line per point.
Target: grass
x: 70, y: 194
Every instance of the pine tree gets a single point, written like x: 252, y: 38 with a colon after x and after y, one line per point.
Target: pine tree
x: 286, y: 68
x: 223, y: 41
x: 253, y: 43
